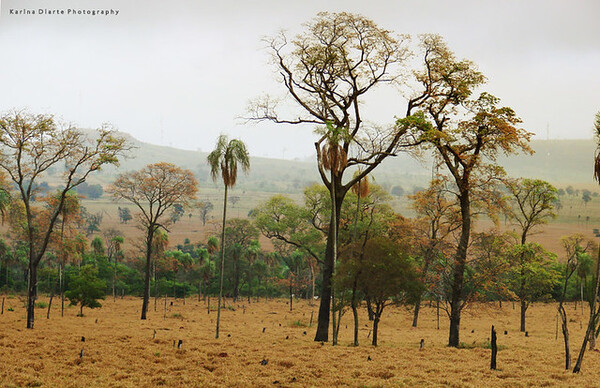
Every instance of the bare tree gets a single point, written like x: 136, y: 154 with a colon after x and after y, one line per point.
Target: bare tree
x: 29, y: 146
x: 326, y: 72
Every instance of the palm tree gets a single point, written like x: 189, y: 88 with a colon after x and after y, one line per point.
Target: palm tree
x: 223, y: 161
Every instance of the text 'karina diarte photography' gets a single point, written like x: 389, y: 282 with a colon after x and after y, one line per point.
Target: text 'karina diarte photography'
x: 65, y: 11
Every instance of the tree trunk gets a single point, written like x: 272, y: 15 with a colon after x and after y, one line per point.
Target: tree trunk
x: 149, y: 237
x: 291, y: 298
x: 459, y: 271
x: 114, y: 281
x: 375, y: 327
x: 31, y: 293
x: 322, y: 333
x: 565, y: 331
x: 494, y: 349
x: 61, y: 284
x: 523, y: 310
x: 50, y: 305
x: 354, y: 305
x: 222, y: 263
x: 416, y: 312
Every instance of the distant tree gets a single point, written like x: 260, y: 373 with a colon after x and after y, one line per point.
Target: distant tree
x: 92, y: 222
x: 223, y: 161
x: 532, y: 276
x: 531, y: 205
x: 586, y: 197
x: 29, y: 146
x: 124, y: 215
x: 97, y: 246
x: 114, y: 242
x: 205, y: 208
x: 561, y: 192
x: 177, y: 212
x: 398, y: 191
x: 154, y: 190
x: 86, y: 288
x: 570, y: 190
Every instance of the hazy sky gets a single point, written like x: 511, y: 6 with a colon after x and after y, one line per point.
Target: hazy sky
x: 180, y: 72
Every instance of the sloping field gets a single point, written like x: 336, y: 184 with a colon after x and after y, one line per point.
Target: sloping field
x: 122, y: 351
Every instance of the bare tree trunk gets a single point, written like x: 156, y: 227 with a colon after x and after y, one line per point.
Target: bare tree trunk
x: 565, y: 331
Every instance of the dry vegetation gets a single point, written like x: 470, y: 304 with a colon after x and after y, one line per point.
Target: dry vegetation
x: 119, y: 349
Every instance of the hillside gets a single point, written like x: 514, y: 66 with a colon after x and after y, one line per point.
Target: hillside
x: 560, y: 162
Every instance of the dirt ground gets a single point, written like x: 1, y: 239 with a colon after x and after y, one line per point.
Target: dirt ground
x: 264, y: 344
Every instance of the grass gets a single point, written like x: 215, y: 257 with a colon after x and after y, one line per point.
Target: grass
x: 121, y: 350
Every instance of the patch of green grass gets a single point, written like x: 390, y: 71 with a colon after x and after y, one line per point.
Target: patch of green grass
x: 298, y: 323
x: 176, y: 315
x: 41, y: 305
x: 10, y: 309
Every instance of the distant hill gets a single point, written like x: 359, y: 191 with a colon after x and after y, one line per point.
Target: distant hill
x: 560, y: 162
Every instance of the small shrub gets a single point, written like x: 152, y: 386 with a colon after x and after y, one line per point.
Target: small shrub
x: 177, y: 315
x: 10, y: 309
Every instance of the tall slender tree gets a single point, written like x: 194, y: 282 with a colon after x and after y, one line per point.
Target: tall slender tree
x: 532, y: 203
x: 154, y: 190
x: 223, y: 161
x: 466, y: 135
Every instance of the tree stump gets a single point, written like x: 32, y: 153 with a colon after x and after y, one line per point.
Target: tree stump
x: 494, y: 349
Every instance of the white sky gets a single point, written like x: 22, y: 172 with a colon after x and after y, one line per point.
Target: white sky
x: 179, y: 72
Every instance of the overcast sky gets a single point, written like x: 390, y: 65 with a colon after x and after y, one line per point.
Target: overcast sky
x: 179, y: 72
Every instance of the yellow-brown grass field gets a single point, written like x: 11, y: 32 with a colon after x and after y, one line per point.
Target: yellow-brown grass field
x: 120, y: 351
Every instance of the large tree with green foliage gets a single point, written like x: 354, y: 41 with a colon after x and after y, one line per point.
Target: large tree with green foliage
x: 466, y: 135
x: 223, y: 162
x: 86, y: 288
x: 385, y: 273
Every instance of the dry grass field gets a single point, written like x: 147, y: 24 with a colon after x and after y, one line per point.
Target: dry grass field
x: 120, y: 351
